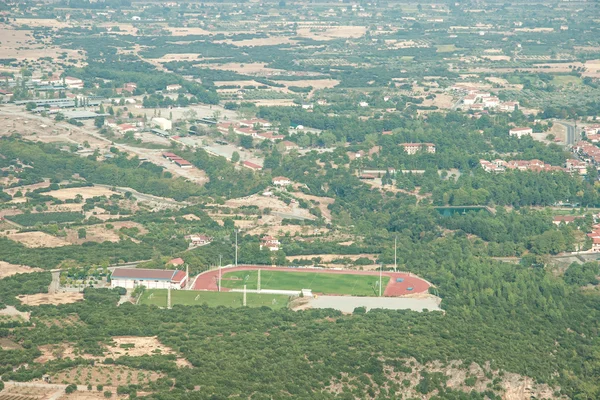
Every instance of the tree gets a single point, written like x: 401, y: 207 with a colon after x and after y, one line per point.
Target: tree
x: 59, y: 117
x: 246, y: 142
x: 108, y: 394
x: 30, y: 106
x: 99, y: 122
x: 235, y: 157
x: 81, y: 233
x: 70, y: 389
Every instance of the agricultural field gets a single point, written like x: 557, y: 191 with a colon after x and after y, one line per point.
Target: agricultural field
x: 343, y: 284
x: 158, y: 297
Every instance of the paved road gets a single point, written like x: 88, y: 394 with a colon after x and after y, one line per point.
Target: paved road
x: 572, y: 135
x: 146, y: 197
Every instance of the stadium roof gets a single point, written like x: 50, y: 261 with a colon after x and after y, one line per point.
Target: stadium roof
x: 138, y: 273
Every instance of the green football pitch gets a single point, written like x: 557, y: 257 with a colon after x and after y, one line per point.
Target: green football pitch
x: 318, y: 282
x: 158, y: 297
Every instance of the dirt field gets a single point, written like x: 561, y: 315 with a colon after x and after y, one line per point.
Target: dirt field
x: 249, y: 69
x: 323, y: 203
x: 280, y: 230
x: 330, y: 33
x: 443, y: 101
x: 274, y: 204
x: 7, y: 344
x: 37, y: 239
x: 316, y: 83
x: 11, y: 392
x: 59, y: 351
x: 104, y: 375
x: 21, y: 44
x: 269, y: 41
x: 148, y: 345
x: 275, y: 103
x: 516, y: 387
x: 27, y: 188
x: 7, y: 269
x: 496, y: 58
x: 85, y: 192
x: 46, y: 298
x: 100, y: 233
x: 187, y: 31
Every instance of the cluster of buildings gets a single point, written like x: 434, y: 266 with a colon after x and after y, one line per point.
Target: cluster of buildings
x: 595, y: 236
x: 198, y: 240
x: 256, y: 128
x: 478, y: 100
x: 572, y: 166
x: 174, y: 158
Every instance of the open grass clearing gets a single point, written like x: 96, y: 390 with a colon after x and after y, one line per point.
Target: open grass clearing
x: 158, y: 297
x: 319, y: 282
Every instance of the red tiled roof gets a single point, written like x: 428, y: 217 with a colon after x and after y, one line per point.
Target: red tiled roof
x: 176, y: 261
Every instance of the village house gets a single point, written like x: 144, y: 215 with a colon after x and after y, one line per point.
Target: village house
x: 289, y: 146
x: 567, y: 219
x: 198, y: 240
x: 173, y: 88
x: 130, y: 87
x: 281, y: 181
x: 261, y: 123
x: 73, y: 83
x: 269, y: 242
x: 413, y: 148
x: 124, y: 128
x: 520, y: 132
x: 251, y: 165
x: 508, y: 106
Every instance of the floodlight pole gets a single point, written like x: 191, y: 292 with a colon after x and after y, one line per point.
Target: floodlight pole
x: 395, y: 253
x: 244, y: 296
x: 258, y: 284
x: 220, y: 272
x: 380, y: 271
x: 236, y: 247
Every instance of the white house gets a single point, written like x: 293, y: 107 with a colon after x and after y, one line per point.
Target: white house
x: 281, y: 181
x: 198, y: 240
x: 413, y: 148
x: 173, y: 88
x: 162, y: 123
x: 269, y: 242
x: 129, y: 278
x: 519, y: 132
x: 73, y: 83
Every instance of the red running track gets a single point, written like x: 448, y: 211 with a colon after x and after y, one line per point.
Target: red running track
x: 208, y: 280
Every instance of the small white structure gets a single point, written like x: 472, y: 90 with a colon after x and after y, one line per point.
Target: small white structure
x: 130, y: 278
x: 281, y: 181
x: 162, y: 123
x: 173, y: 88
x: 519, y: 132
x: 270, y: 243
x: 73, y: 83
x: 198, y: 240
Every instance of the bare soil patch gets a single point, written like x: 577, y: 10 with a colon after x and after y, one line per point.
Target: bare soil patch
x: 268, y: 41
x: 186, y: 31
x: 46, y: 298
x: 148, y: 345
x: 316, y: 83
x: 243, y: 68
x: 104, y: 375
x: 11, y: 392
x: 100, y: 233
x: 275, y: 103
x: 26, y: 188
x: 21, y: 44
x: 496, y: 58
x: 60, y: 351
x: 292, y: 230
x: 7, y: 344
x: 85, y: 192
x: 331, y: 33
x: 324, y: 202
x: 272, y: 203
x: 37, y: 239
x: 8, y: 269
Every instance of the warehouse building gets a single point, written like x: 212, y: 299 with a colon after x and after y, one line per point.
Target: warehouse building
x: 130, y: 278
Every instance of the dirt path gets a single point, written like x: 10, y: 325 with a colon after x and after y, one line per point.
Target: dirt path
x: 208, y: 280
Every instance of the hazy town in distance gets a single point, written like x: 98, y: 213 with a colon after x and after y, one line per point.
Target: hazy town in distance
x: 293, y: 199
